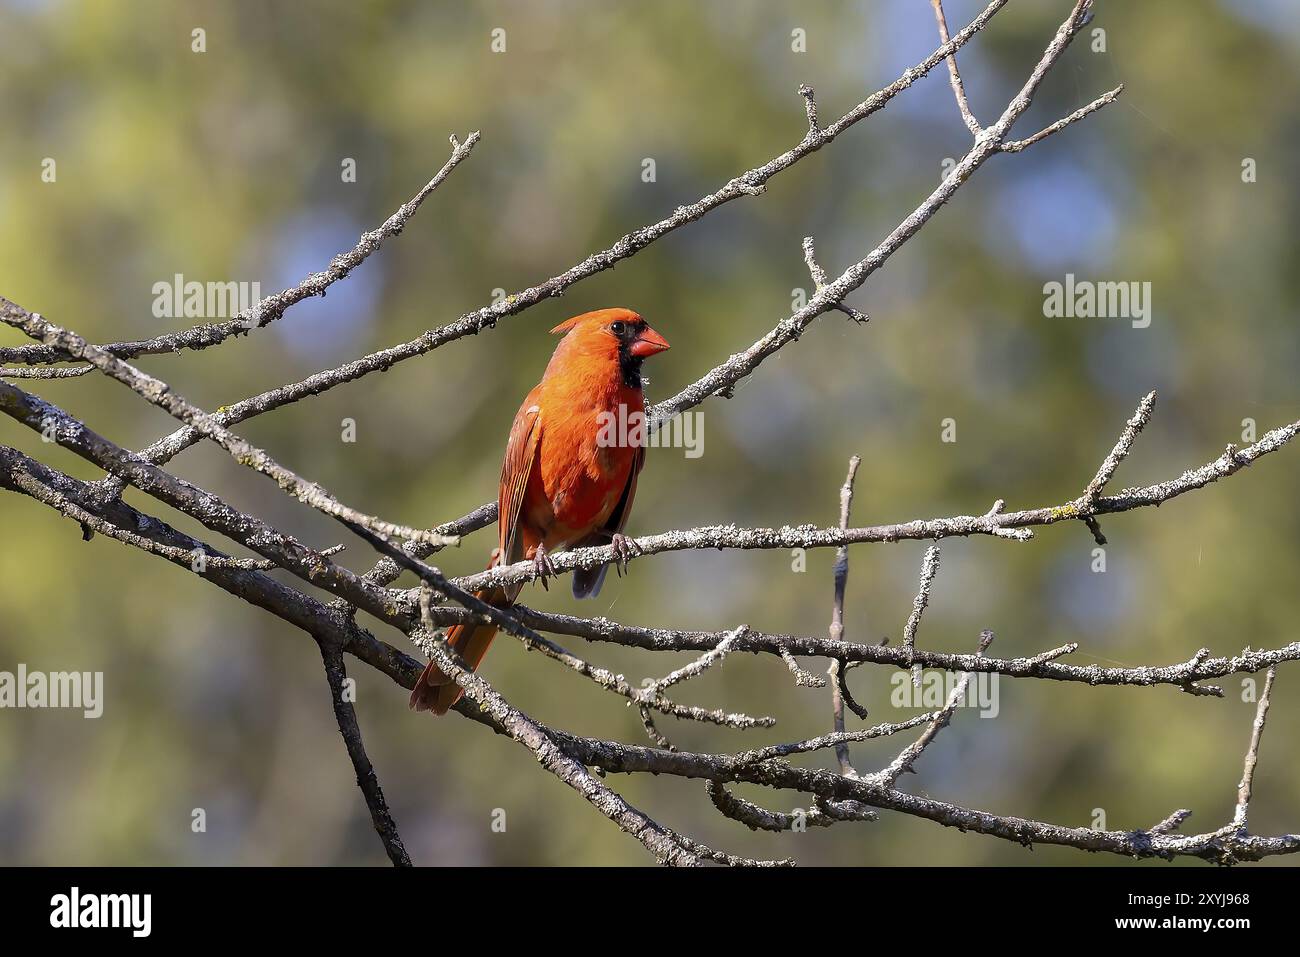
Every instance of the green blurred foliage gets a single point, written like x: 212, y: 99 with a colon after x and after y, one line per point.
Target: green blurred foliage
x: 226, y: 165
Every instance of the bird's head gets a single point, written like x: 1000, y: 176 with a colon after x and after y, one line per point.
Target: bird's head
x: 618, y: 336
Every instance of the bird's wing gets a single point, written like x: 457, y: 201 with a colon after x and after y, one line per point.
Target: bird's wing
x: 586, y: 583
x: 521, y: 453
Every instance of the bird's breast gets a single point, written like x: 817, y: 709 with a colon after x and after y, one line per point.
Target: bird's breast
x: 587, y: 453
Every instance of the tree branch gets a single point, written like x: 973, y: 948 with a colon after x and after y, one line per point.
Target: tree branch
x: 747, y: 183
x: 1200, y: 667
x: 533, y: 736
x: 908, y: 756
x: 836, y: 669
x: 1252, y: 752
x: 994, y: 522
x: 346, y: 716
x: 954, y: 76
x: 266, y: 310
x: 159, y: 393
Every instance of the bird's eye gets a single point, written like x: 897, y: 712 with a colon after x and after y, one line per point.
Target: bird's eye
x: 618, y: 328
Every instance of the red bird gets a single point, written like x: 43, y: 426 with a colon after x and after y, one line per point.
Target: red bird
x: 564, y: 482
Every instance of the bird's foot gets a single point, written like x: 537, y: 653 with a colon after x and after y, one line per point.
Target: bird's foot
x: 542, y: 567
x: 624, y: 550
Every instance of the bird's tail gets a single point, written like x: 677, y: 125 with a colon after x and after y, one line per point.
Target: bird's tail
x: 435, y: 691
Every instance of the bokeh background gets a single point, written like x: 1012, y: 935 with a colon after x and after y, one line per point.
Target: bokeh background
x: 226, y: 165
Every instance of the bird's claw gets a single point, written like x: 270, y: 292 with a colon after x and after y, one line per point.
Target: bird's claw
x: 542, y: 567
x: 624, y: 550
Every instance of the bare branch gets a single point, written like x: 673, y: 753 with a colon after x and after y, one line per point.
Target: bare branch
x: 510, y: 623
x: 18, y: 477
x: 331, y: 630
x: 803, y: 678
x: 1201, y: 667
x: 662, y: 844
x: 836, y: 670
x: 704, y: 852
x: 834, y: 739
x: 487, y: 317
x: 819, y: 281
x: 991, y: 523
x: 954, y: 76
x: 1121, y: 450
x: 60, y: 491
x: 289, y: 554
x: 810, y: 108
x: 1222, y: 846
x: 346, y: 716
x: 817, y: 273
x: 1067, y: 649
x: 1015, y: 146
x: 1172, y: 823
x: 1252, y: 753
x: 270, y: 308
x: 907, y: 757
x: 722, y: 379
x: 929, y: 568
x: 701, y: 664
x: 1111, y: 463
x: 838, y: 699
x: 38, y: 372
x: 159, y: 393
x: 652, y: 730
x: 760, y: 819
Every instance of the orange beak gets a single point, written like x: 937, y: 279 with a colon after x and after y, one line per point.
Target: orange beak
x: 648, y: 343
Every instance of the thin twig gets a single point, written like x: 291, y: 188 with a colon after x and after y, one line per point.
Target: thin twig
x: 270, y: 308
x: 701, y: 664
x: 802, y: 677
x: 833, y: 739
x: 346, y: 716
x: 835, y: 671
x: 1172, y: 823
x: 954, y: 76
x: 19, y: 478
x: 1246, y: 785
x: 1107, y: 98
x: 908, y: 756
x: 929, y: 568
x: 819, y: 279
x: 1121, y: 450
x: 821, y: 814
x: 40, y: 372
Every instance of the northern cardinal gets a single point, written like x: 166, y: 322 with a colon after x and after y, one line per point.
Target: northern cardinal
x: 564, y: 483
